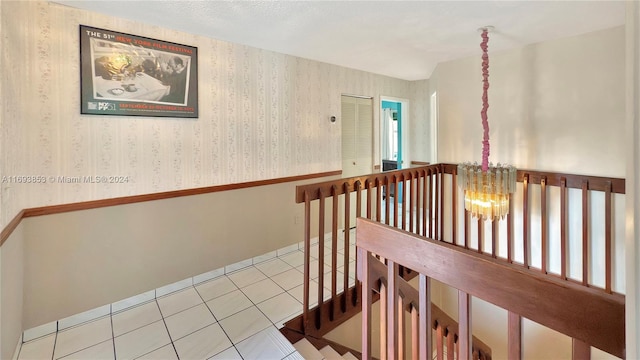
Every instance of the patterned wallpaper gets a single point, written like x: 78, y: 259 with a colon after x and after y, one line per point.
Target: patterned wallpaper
x: 262, y: 114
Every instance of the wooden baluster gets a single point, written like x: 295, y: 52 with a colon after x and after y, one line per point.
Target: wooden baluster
x: 320, y: 258
x: 426, y: 321
x: 438, y: 205
x: 307, y: 260
x: 454, y: 206
x: 358, y: 185
x: 450, y: 345
x: 525, y: 219
x: 363, y: 265
x: 467, y: 235
x: 607, y: 237
x: 378, y: 200
x: 412, y: 202
x: 514, y: 343
x: 480, y: 235
x: 347, y: 237
x: 464, y: 325
x: 543, y: 224
x: 494, y: 237
x: 401, y: 330
x: 563, y: 228
x: 439, y: 343
x: 442, y: 205
x: 415, y: 333
x: 392, y: 310
x: 396, y: 199
x: 334, y: 252
x: 383, y: 321
x: 367, y: 186
x: 425, y: 202
x: 580, y: 350
x: 402, y: 214
x: 402, y: 201
x: 510, y: 230
x: 387, y: 203
x: 431, y: 214
x: 585, y: 232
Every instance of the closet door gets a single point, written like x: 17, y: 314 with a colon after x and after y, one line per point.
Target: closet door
x: 357, y: 136
x: 357, y: 143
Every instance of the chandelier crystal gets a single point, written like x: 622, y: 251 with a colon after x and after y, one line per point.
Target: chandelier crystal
x: 487, y: 188
x: 486, y: 193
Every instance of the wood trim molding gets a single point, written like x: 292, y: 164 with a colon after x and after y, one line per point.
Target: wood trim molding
x: 419, y: 163
x: 12, y: 225
x: 93, y: 204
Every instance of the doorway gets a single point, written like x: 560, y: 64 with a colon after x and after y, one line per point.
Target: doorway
x: 393, y: 139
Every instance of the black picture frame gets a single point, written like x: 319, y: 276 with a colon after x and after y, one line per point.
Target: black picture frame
x: 124, y: 74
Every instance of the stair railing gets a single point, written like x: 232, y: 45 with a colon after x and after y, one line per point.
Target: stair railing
x: 329, y: 260
x: 552, y: 215
x: 590, y: 316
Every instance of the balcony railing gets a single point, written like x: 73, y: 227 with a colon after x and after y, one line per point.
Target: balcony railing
x: 562, y: 226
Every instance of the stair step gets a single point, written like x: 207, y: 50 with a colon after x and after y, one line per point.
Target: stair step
x: 307, y: 350
x: 349, y: 356
x: 329, y: 353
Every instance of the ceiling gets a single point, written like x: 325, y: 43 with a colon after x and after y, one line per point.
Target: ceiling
x: 401, y: 39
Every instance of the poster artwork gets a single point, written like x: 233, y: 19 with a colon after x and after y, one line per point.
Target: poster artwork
x: 123, y: 74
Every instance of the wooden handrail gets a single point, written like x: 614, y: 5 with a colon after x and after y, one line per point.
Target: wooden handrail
x: 350, y: 183
x: 588, y: 315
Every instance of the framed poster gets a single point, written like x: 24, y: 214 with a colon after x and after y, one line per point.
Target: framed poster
x: 124, y: 74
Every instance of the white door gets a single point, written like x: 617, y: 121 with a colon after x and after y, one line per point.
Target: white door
x: 357, y: 136
x: 357, y: 143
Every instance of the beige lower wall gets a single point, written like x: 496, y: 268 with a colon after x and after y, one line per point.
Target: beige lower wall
x: 80, y: 260
x: 11, y: 292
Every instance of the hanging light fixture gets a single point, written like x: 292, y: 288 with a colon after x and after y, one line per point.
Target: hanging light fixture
x: 486, y: 187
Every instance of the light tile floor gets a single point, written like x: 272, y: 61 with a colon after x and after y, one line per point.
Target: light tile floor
x: 234, y: 316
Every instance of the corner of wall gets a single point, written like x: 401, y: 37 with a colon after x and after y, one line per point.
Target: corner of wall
x: 11, y: 292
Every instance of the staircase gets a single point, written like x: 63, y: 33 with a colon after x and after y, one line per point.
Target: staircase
x: 309, y: 352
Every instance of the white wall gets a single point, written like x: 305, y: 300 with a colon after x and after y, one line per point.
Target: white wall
x: 632, y: 213
x: 262, y: 114
x: 554, y: 106
x: 420, y: 134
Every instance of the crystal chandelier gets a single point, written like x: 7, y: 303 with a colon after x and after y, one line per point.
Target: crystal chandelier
x: 486, y: 187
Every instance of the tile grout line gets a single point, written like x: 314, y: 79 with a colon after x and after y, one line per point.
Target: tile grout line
x: 113, y: 335
x: 55, y: 341
x: 217, y: 322
x: 168, y: 333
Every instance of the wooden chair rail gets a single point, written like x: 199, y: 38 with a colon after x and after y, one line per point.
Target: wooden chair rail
x: 588, y: 315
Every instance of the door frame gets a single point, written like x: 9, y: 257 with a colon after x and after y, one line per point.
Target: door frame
x: 404, y: 138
